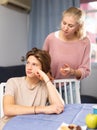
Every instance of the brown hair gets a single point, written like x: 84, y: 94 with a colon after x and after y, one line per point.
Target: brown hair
x: 41, y: 55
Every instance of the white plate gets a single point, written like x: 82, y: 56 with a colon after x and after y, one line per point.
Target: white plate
x: 64, y: 124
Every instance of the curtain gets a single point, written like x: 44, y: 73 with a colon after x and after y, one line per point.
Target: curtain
x: 45, y: 17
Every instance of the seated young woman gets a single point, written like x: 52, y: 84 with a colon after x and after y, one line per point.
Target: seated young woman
x: 33, y: 93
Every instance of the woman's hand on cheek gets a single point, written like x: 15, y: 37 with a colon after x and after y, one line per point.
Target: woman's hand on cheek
x: 38, y: 74
x: 41, y: 75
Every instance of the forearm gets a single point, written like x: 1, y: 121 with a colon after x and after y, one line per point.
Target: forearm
x: 13, y: 110
x: 51, y: 109
x: 54, y: 96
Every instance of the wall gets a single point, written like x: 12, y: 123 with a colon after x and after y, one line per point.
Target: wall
x: 14, y: 26
x: 89, y: 84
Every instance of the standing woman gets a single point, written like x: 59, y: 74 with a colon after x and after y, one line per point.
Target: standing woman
x: 33, y: 93
x: 69, y: 47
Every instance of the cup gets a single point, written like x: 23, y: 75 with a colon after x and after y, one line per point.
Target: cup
x: 95, y: 109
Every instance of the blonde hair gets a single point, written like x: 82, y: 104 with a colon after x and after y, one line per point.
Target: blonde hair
x: 79, y: 16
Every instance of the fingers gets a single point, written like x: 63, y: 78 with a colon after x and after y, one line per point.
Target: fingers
x: 39, y: 75
x: 65, y: 70
x: 65, y: 66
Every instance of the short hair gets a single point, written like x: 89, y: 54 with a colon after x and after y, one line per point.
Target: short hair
x: 42, y: 56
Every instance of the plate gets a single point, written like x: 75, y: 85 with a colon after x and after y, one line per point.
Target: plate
x: 64, y: 124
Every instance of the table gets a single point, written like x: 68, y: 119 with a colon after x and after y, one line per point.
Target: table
x: 73, y: 114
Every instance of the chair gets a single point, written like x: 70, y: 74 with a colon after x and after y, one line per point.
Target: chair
x: 69, y: 90
x: 2, y: 90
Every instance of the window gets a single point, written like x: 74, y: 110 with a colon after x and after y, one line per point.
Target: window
x: 91, y: 26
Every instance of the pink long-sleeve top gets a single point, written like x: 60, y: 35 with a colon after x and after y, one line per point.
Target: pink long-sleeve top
x: 75, y: 53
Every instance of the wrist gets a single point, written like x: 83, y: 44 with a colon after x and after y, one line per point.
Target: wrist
x: 47, y: 81
x: 76, y: 73
x: 40, y: 109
